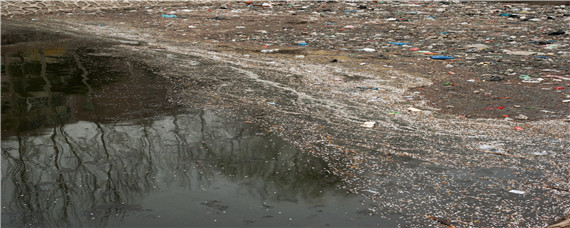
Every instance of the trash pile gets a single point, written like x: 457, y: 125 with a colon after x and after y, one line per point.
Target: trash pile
x: 490, y: 54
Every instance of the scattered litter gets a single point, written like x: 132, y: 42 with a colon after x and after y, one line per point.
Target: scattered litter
x: 370, y: 88
x: 540, y: 153
x: 525, y: 77
x: 399, y: 43
x: 533, y: 80
x: 371, y: 191
x: 368, y: 49
x: 517, y: 192
x: 169, y: 16
x: 368, y: 124
x: 525, y: 53
x: 269, y: 50
x: 442, y: 57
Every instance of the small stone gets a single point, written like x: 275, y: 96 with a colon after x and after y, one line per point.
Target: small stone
x: 476, y: 91
x: 521, y: 117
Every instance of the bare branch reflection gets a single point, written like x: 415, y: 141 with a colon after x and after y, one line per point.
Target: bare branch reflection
x: 85, y: 138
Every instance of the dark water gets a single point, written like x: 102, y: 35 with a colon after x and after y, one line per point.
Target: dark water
x: 89, y: 139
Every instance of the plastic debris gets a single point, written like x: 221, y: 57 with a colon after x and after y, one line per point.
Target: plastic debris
x: 399, y: 43
x: 368, y: 49
x: 371, y: 88
x: 557, y: 33
x: 368, y: 124
x: 269, y: 50
x: 533, y: 80
x: 442, y: 57
x: 517, y: 192
x: 540, y: 153
x: 412, y: 109
x: 169, y: 16
x: 525, y: 77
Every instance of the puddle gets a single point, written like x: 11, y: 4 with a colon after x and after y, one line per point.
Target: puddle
x: 90, y: 139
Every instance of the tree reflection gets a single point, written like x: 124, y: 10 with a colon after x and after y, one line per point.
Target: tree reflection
x: 88, y: 171
x: 90, y: 159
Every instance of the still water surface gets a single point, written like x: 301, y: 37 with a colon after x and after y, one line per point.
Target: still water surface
x: 89, y: 139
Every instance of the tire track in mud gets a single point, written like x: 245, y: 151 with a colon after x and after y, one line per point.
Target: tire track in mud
x: 411, y: 163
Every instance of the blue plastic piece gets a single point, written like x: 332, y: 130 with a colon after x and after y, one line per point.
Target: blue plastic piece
x: 442, y: 57
x: 302, y: 44
x: 169, y: 16
x: 372, y: 88
x: 399, y: 43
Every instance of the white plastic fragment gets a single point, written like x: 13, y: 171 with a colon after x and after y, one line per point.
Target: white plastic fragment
x: 524, y: 53
x: 533, y: 80
x: 368, y: 124
x: 371, y: 191
x: 517, y: 192
x: 412, y: 109
x: 269, y: 50
x: 540, y: 153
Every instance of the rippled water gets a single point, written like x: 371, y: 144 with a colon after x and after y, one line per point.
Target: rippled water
x: 89, y: 139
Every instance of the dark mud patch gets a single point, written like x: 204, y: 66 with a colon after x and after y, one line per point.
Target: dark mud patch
x: 498, y: 100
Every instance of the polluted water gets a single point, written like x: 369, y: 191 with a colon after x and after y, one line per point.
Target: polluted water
x: 89, y: 139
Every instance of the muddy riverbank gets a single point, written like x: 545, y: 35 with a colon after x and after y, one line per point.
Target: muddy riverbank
x: 387, y: 128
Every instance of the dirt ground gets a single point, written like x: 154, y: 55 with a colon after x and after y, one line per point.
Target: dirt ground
x: 317, y: 72
x: 483, y: 81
